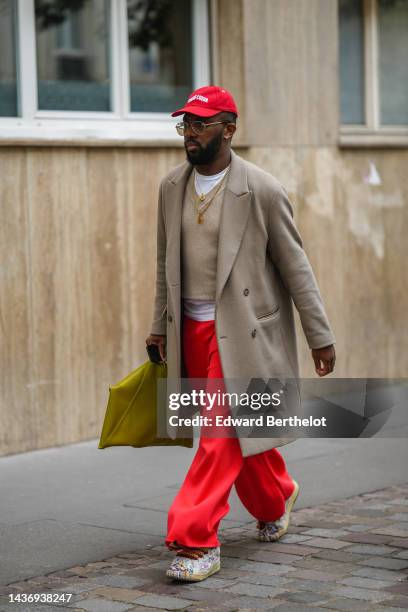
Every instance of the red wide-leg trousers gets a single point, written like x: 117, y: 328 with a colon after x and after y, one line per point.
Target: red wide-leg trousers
x: 262, y: 481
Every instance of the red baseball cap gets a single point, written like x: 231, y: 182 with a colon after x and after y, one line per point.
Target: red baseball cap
x: 208, y: 101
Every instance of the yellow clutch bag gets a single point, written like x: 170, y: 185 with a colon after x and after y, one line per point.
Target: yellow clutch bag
x: 131, y: 414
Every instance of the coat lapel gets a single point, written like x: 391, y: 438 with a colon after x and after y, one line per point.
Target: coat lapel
x: 176, y: 188
x: 234, y: 217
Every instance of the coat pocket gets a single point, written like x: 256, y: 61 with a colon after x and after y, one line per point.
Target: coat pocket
x: 267, y: 317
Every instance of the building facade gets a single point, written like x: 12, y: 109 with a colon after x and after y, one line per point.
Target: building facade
x: 86, y: 92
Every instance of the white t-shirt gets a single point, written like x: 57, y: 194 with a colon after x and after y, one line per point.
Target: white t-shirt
x: 204, y: 183
x: 203, y: 310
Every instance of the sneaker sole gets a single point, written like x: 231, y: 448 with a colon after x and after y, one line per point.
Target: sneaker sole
x: 197, y: 577
x: 291, y: 502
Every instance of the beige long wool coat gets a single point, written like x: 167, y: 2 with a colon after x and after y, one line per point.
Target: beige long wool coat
x: 262, y: 269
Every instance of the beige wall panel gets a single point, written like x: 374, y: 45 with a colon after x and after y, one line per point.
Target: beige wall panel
x: 376, y: 303
x: 330, y: 246
x: 393, y: 169
x: 91, y: 221
x: 142, y: 172
x: 377, y: 218
x: 62, y: 337
x: 278, y: 161
x: 109, y: 352
x: 17, y: 429
x: 230, y: 54
x: 352, y: 232
x: 78, y: 263
x: 291, y: 73
x: 45, y: 251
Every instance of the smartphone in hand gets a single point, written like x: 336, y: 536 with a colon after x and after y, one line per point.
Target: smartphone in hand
x: 154, y: 353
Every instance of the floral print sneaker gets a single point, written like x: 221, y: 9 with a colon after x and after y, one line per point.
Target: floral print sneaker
x: 194, y: 564
x: 273, y: 531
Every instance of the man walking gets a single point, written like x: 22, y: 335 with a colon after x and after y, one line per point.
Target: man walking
x: 230, y: 263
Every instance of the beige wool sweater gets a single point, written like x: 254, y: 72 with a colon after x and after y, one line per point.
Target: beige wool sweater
x: 199, y: 243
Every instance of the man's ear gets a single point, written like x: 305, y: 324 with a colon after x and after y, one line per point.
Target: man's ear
x: 229, y: 131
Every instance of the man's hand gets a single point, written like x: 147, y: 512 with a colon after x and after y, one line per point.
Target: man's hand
x: 161, y: 343
x: 324, y: 359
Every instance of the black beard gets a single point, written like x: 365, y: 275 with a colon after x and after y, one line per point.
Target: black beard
x: 205, y: 155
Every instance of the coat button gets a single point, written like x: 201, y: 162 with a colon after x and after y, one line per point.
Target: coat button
x: 246, y: 291
x: 253, y: 333
x: 170, y: 318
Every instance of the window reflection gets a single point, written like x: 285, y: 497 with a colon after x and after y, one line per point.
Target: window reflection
x: 8, y: 81
x: 351, y: 62
x: 393, y: 63
x: 72, y: 55
x: 160, y: 54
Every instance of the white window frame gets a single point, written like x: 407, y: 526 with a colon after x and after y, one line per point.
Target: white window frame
x: 120, y: 126
x: 372, y: 133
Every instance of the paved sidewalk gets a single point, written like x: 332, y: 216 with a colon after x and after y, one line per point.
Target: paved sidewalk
x: 343, y: 555
x: 71, y: 505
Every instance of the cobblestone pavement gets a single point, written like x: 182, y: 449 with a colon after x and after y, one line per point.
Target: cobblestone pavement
x: 344, y: 555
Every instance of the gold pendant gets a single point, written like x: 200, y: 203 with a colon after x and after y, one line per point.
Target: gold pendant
x: 202, y: 197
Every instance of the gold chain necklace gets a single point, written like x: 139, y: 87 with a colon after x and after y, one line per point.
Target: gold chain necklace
x: 199, y: 199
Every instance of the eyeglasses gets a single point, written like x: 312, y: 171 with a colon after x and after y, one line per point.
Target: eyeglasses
x: 198, y: 127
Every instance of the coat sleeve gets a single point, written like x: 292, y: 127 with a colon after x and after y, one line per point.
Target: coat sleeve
x: 159, y: 325
x: 285, y: 248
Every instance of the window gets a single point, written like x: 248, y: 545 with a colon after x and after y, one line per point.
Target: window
x: 373, y: 49
x: 99, y: 70
x: 352, y: 62
x: 73, y: 57
x: 8, y: 78
x: 393, y: 64
x: 160, y: 70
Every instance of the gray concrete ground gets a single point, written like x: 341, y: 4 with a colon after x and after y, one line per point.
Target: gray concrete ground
x: 349, y: 554
x: 76, y: 504
x: 94, y: 521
